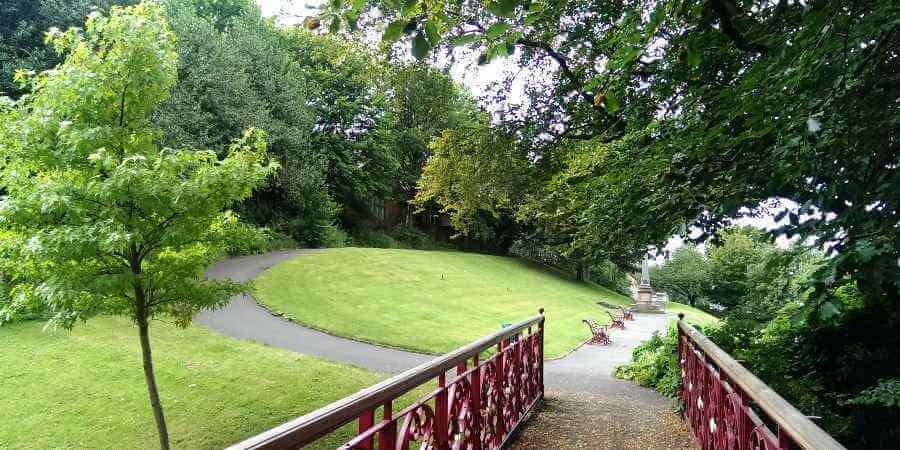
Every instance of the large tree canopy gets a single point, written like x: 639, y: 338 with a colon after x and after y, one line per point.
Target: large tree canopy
x: 23, y: 25
x: 643, y: 119
x: 698, y: 110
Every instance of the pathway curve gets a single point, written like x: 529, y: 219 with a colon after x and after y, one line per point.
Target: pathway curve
x: 243, y: 318
x: 585, y: 407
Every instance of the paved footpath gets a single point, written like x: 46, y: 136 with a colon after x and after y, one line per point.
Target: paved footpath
x: 244, y: 319
x: 585, y: 407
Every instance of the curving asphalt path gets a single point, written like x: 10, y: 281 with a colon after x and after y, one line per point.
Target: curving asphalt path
x: 585, y: 407
x: 243, y: 318
x: 589, y: 369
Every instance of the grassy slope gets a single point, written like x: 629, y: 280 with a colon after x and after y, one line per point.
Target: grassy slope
x: 428, y: 300
x: 692, y: 315
x: 85, y: 389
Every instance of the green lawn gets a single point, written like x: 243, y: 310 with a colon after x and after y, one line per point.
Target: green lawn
x: 85, y: 389
x: 429, y: 300
x: 692, y: 315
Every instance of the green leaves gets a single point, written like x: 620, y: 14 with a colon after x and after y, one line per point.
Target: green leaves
x: 503, y: 8
x: 464, y: 39
x: 394, y: 30
x: 693, y: 57
x: 611, y: 103
x: 112, y: 218
x: 496, y: 30
x: 420, y: 46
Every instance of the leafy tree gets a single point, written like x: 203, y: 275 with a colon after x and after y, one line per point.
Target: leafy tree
x: 352, y: 118
x: 695, y: 112
x: 22, y: 28
x: 730, y: 262
x: 114, y: 222
x: 473, y: 171
x: 221, y: 12
x: 425, y: 102
x: 258, y: 84
x: 718, y: 105
x: 686, y: 277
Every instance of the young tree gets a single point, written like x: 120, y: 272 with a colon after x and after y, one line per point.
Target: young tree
x: 686, y: 277
x: 116, y: 223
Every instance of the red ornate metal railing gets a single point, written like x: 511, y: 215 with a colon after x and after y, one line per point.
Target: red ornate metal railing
x: 728, y: 408
x: 477, y: 404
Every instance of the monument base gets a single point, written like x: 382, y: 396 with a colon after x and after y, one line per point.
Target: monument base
x: 648, y: 308
x: 643, y: 301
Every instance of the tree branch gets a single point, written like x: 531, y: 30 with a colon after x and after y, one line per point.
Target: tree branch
x: 727, y: 11
x: 563, y: 66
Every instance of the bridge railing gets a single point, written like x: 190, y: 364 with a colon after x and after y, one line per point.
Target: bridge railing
x: 476, y: 405
x: 727, y: 407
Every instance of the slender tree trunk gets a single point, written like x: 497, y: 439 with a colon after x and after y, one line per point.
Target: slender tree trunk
x: 150, y: 376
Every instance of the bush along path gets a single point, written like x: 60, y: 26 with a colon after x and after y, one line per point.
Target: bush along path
x: 586, y: 407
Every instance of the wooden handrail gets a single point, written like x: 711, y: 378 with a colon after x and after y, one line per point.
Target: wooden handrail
x: 798, y: 426
x: 307, y: 428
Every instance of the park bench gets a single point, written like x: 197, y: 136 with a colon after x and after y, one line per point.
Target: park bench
x: 599, y: 334
x: 627, y: 313
x: 616, y: 322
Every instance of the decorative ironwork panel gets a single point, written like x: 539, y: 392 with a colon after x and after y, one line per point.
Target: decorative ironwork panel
x: 477, y: 407
x: 722, y: 415
x: 484, y: 404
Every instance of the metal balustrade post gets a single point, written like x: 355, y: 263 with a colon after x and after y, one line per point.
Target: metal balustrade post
x: 441, y: 411
x: 387, y: 436
x: 459, y: 405
x: 752, y: 413
x: 366, y: 420
x: 475, y: 402
x: 541, y: 349
x: 783, y: 441
x: 500, y: 431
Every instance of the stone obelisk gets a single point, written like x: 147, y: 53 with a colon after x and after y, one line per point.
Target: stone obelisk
x: 643, y: 298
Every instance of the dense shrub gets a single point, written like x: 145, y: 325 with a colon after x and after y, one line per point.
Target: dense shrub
x: 373, y: 239
x: 655, y: 364
x: 335, y: 237
x: 249, y: 239
x: 408, y: 236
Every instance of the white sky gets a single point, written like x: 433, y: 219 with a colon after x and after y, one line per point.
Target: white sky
x: 478, y: 79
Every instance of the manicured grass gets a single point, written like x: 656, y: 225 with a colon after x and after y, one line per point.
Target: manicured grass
x: 85, y: 388
x: 429, y: 300
x: 692, y: 315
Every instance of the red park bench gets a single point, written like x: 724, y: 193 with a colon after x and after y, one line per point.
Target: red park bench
x: 616, y: 322
x: 599, y: 332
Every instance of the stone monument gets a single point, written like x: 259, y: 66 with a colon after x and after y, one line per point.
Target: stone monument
x: 643, y: 295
